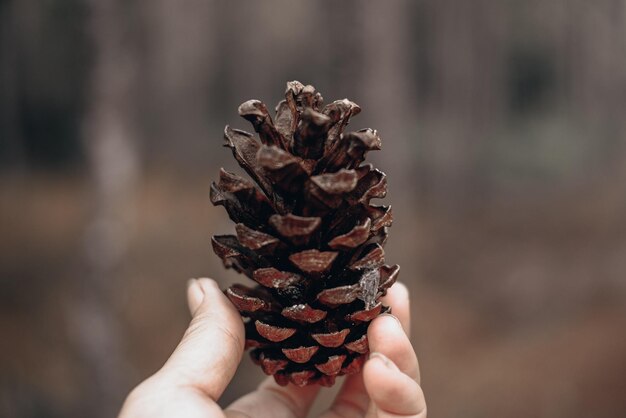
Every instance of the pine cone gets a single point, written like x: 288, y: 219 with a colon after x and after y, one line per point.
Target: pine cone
x: 308, y: 236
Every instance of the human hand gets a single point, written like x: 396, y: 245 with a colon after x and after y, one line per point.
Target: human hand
x: 196, y: 374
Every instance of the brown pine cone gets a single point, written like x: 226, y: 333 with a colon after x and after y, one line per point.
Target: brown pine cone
x: 307, y: 235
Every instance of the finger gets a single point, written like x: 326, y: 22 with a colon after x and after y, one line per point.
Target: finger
x: 398, y: 299
x: 275, y: 401
x: 393, y: 393
x: 386, y: 336
x: 352, y: 399
x: 195, y: 295
x: 211, y: 348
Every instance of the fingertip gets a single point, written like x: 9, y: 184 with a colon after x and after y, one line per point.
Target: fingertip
x: 377, y: 359
x: 195, y: 295
x: 386, y: 336
x: 208, y: 285
x: 373, y: 369
x: 392, y: 391
x: 385, y: 324
x: 398, y: 299
x: 400, y: 289
x: 216, y: 301
x: 212, y: 346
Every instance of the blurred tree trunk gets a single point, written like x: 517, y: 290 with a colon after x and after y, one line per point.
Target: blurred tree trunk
x: 369, y: 44
x: 110, y: 142
x: 588, y: 41
x: 386, y: 82
x: 177, y: 57
x: 597, y: 38
x: 9, y: 131
x: 344, y: 48
x: 597, y: 59
x: 464, y: 103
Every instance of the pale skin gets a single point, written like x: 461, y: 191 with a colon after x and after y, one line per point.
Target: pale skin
x: 203, y: 364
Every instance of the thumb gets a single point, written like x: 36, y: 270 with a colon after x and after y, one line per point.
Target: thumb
x: 211, y: 349
x: 393, y: 393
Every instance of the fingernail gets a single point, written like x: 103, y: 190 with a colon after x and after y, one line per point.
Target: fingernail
x: 388, y: 363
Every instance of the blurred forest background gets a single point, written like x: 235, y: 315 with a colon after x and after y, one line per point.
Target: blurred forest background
x: 504, y: 139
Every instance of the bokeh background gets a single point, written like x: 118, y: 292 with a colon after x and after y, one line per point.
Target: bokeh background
x: 504, y: 129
